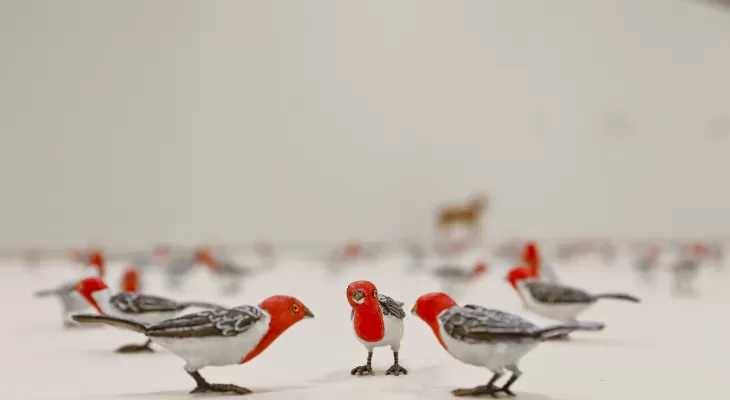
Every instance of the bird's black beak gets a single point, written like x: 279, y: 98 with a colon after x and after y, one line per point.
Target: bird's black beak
x: 414, y: 311
x: 358, y: 296
x: 308, y: 313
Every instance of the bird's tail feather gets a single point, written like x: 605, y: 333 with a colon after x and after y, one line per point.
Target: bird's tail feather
x: 202, y: 304
x: 568, y: 327
x: 111, y: 321
x: 617, y: 296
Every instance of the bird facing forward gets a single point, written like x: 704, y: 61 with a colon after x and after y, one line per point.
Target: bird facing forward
x: 217, y: 337
x: 486, y: 337
x: 377, y: 321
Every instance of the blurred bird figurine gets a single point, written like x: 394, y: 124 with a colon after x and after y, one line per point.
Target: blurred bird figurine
x: 647, y: 262
x: 136, y: 307
x: 130, y: 280
x: 553, y: 300
x: 686, y: 269
x: 486, y: 337
x: 377, y: 321
x: 455, y: 279
x: 217, y: 337
x: 533, y: 260
x: 65, y: 292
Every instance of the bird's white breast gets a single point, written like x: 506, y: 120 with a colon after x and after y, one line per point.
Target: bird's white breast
x: 559, y: 312
x: 201, y: 352
x: 494, y: 356
x: 393, y: 334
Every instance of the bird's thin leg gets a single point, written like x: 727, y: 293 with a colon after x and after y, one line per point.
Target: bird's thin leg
x: 364, y: 368
x: 512, y: 379
x: 489, y: 389
x: 396, y: 369
x: 136, y: 348
x: 202, y: 386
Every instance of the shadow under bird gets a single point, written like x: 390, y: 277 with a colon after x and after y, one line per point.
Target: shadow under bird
x: 377, y: 321
x: 485, y: 337
x: 217, y: 337
x: 137, y: 307
x: 556, y: 301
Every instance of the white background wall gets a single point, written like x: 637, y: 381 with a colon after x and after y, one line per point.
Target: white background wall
x: 129, y: 122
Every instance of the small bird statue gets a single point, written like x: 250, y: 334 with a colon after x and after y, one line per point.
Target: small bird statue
x: 486, y: 337
x: 532, y: 259
x: 553, y: 300
x: 455, y: 279
x: 137, y: 307
x: 217, y: 337
x: 130, y: 280
x: 71, y: 304
x: 377, y: 321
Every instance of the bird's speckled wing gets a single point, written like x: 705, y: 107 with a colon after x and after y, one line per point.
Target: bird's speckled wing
x: 136, y: 303
x: 391, y: 307
x: 476, y: 324
x: 553, y: 293
x: 221, y: 322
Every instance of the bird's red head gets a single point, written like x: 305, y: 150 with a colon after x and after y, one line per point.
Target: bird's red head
x: 479, y: 269
x: 517, y: 274
x: 204, y: 256
x: 285, y: 311
x: 87, y: 287
x: 530, y: 254
x: 96, y: 259
x: 362, y: 294
x: 130, y: 280
x: 429, y: 306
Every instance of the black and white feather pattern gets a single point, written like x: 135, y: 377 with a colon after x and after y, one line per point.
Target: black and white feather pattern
x: 476, y: 324
x: 221, y: 322
x: 136, y: 303
x: 389, y: 306
x: 551, y: 293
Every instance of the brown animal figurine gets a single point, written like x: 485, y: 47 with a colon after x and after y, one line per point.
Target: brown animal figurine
x: 469, y: 215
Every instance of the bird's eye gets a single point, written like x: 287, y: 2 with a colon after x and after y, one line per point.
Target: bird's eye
x: 295, y: 308
x: 375, y: 294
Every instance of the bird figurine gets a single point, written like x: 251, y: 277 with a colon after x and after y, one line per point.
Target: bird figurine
x: 137, y: 307
x: 217, y: 337
x: 686, y: 269
x: 455, y: 279
x: 647, y: 262
x: 230, y: 273
x: 485, y: 337
x: 377, y: 321
x: 130, y: 280
x: 553, y: 300
x: 532, y: 259
x: 71, y: 304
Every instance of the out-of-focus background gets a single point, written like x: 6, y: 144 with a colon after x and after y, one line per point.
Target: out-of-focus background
x: 127, y: 123
x: 338, y: 140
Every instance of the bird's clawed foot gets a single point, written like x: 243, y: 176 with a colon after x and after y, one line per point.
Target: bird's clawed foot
x: 506, y: 391
x: 485, y: 390
x: 220, y: 388
x: 136, y: 348
x: 361, y: 370
x: 396, y: 370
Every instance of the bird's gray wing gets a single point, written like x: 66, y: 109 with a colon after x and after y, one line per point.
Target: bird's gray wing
x: 450, y: 272
x: 137, y: 303
x: 391, y: 307
x: 220, y: 322
x: 476, y: 324
x: 554, y: 293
